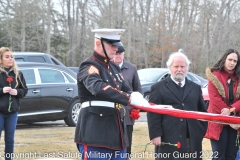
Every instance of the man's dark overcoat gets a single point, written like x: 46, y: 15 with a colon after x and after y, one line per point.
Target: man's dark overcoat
x: 130, y: 74
x: 172, y: 129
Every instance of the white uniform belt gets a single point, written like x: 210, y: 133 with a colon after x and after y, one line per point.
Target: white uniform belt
x: 98, y: 103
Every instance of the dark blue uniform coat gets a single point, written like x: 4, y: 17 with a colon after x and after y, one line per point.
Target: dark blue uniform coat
x: 100, y: 80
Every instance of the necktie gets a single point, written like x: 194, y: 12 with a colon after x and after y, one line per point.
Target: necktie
x: 180, y: 84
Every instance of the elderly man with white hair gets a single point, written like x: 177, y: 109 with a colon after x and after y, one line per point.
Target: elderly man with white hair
x: 167, y: 131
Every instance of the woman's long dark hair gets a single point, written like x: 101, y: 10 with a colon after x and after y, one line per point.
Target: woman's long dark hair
x: 220, y: 63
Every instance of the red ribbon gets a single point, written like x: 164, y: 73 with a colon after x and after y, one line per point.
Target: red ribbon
x: 203, y: 116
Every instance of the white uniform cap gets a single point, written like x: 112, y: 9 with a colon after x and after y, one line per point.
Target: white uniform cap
x: 110, y: 34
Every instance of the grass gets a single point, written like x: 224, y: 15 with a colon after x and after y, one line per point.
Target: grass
x: 141, y: 138
x: 57, y: 141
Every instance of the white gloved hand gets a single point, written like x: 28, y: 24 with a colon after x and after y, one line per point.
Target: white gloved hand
x: 137, y: 99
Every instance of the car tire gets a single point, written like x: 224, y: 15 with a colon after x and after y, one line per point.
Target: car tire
x: 74, y: 110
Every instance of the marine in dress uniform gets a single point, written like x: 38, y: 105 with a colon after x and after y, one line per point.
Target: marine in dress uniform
x: 102, y: 91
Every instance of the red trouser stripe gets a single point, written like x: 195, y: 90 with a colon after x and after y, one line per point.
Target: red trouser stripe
x: 85, y: 148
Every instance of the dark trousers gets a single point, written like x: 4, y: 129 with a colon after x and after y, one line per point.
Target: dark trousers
x: 8, y: 122
x: 129, y: 134
x: 225, y: 148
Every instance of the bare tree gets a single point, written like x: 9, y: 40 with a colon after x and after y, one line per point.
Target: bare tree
x: 49, y: 25
x: 82, y: 6
x: 72, y: 14
x: 154, y: 28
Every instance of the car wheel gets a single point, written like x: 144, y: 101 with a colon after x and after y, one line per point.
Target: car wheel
x: 146, y: 96
x: 74, y: 110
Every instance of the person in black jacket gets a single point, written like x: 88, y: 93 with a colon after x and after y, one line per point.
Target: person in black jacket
x: 179, y: 92
x: 130, y: 75
x: 12, y: 87
x: 102, y: 91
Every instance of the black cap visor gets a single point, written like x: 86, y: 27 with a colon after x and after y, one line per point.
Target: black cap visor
x: 120, y: 49
x: 112, y: 42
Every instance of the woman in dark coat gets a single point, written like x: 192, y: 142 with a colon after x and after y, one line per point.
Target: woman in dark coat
x: 168, y: 129
x: 12, y: 87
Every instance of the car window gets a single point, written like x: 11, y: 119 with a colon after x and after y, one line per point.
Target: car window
x: 165, y: 76
x: 39, y: 59
x: 199, y: 78
x: 19, y: 59
x: 70, y: 79
x: 29, y: 76
x: 193, y: 78
x: 149, y: 75
x: 51, y: 76
x: 75, y: 69
x: 55, y: 62
x: 189, y: 77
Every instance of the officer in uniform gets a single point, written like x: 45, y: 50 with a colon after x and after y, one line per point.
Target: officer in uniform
x: 102, y: 92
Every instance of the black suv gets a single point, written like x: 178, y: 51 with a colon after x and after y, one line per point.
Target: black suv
x: 52, y: 94
x: 36, y: 57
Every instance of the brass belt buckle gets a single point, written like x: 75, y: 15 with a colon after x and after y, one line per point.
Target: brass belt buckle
x: 120, y: 106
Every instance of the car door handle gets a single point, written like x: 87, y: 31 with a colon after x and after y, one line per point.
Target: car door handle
x: 35, y: 91
x: 69, y: 89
